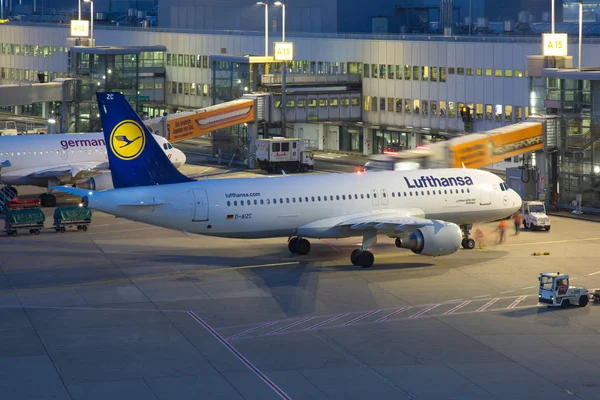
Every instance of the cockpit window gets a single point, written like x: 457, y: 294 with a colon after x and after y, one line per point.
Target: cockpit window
x: 503, y: 187
x: 169, y: 145
x: 165, y: 146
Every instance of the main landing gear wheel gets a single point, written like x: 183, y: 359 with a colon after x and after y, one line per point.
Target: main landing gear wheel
x: 363, y: 258
x: 48, y: 200
x: 468, y: 244
x: 299, y: 246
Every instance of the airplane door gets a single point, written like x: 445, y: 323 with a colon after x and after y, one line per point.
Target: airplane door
x: 486, y: 196
x: 201, y: 205
x: 384, y: 196
x: 374, y: 197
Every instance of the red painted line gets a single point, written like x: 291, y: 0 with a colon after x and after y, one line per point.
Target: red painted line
x: 361, y: 317
x: 458, y: 307
x: 486, y: 305
x: 423, y: 311
x: 517, y: 301
x: 251, y: 330
x: 283, y: 328
x: 320, y: 324
x: 398, y: 311
x: 240, y: 356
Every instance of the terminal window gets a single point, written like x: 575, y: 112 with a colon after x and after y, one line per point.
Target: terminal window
x: 434, y: 74
x: 442, y: 74
x: 488, y: 72
x: 508, y: 73
x: 366, y: 70
x: 382, y: 103
x: 478, y: 71
x: 442, y: 108
x: 407, y: 72
x: 460, y: 71
x: 433, y: 107
x: 425, y: 73
x: 470, y: 71
x: 382, y: 71
x: 498, y: 72
x: 488, y: 111
x: 374, y: 72
x: 390, y: 106
x: 518, y: 73
x: 398, y: 105
x: 450, y: 70
x: 390, y: 71
x: 415, y: 73
x: 398, y: 72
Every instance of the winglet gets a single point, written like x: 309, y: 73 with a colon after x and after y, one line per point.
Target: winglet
x: 135, y: 158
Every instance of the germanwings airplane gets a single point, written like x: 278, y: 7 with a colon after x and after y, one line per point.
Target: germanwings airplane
x: 427, y: 211
x: 49, y: 160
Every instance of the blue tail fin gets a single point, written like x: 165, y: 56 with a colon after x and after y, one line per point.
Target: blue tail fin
x: 135, y: 158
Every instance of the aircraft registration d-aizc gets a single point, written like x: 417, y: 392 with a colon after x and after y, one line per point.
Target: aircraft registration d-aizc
x: 427, y: 211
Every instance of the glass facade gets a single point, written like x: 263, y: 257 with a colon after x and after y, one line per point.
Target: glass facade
x: 137, y: 72
x: 577, y: 104
x: 230, y: 79
x: 351, y: 138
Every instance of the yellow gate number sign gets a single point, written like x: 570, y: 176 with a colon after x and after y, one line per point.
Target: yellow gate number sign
x: 555, y: 44
x: 284, y: 51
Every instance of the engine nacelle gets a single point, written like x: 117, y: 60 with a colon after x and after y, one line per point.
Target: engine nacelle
x: 440, y: 239
x: 97, y: 182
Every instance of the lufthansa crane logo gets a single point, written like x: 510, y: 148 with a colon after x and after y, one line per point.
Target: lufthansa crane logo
x: 127, y: 140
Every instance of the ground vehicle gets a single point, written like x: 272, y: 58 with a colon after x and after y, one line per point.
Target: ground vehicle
x: 32, y: 219
x: 555, y: 291
x: 8, y: 128
x: 65, y: 217
x: 288, y: 154
x: 387, y: 162
x: 534, y: 215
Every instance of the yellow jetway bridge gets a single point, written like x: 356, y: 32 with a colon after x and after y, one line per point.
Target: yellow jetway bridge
x: 478, y: 150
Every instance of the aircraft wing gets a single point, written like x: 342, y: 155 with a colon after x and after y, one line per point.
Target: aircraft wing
x: 74, y: 171
x: 383, y: 221
x: 389, y: 221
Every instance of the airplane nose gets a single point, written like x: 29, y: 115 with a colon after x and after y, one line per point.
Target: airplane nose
x: 182, y: 157
x: 516, y: 199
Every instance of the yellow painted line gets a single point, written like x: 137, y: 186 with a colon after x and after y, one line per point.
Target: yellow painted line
x: 548, y: 242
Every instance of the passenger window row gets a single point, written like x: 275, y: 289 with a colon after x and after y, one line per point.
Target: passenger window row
x: 363, y: 196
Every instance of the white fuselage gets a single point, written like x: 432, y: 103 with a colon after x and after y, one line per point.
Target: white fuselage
x: 30, y: 156
x: 310, y: 205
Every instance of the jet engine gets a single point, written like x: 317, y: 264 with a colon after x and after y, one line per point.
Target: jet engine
x: 440, y: 239
x: 97, y: 182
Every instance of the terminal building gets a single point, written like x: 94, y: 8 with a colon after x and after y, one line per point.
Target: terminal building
x: 365, y: 94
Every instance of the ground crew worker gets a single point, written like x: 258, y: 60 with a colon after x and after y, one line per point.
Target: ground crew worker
x: 502, y: 231
x: 517, y: 219
x: 479, y: 238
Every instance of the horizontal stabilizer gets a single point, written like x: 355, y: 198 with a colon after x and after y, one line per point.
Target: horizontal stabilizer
x: 72, y: 190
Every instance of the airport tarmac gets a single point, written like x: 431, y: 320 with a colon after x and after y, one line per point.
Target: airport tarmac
x: 131, y: 311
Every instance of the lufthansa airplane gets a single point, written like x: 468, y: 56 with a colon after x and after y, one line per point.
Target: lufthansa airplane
x: 78, y: 159
x: 427, y: 211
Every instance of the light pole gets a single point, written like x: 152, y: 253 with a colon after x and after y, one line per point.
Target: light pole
x: 264, y: 3
x: 283, y: 71
x: 552, y: 17
x: 91, y: 20
x: 79, y: 3
x: 580, y: 30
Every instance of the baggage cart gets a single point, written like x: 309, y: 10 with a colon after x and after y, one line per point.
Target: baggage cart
x: 32, y: 219
x: 67, y: 217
